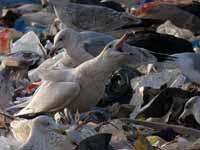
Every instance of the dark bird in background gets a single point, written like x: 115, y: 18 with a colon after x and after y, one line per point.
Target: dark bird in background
x: 159, y: 43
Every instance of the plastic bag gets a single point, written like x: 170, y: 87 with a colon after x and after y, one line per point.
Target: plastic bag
x: 29, y: 42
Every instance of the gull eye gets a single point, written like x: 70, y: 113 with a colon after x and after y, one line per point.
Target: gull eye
x: 110, y: 46
x: 46, y: 123
x: 61, y: 39
x: 187, y: 107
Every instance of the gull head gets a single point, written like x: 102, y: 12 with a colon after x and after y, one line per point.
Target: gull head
x: 46, y: 124
x: 64, y: 39
x: 45, y: 134
x: 192, y: 107
x: 117, y: 49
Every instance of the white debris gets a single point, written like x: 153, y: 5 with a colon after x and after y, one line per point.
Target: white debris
x: 28, y: 42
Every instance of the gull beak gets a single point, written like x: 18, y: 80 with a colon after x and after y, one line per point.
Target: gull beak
x: 184, y: 115
x: 52, y: 52
x: 60, y: 131
x: 57, y: 46
x: 121, y: 41
x: 54, y: 49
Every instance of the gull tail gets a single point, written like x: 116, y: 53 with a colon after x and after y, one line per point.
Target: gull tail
x: 163, y: 57
x: 18, y: 106
x: 24, y: 112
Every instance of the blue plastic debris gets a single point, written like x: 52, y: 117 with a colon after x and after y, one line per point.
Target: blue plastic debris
x: 23, y: 26
x: 20, y: 25
x: 195, y: 43
x: 6, y: 3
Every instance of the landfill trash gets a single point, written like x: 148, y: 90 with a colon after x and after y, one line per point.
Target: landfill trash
x: 121, y: 111
x: 173, y: 97
x: 97, y: 142
x: 169, y: 28
x: 119, y: 89
x: 176, y: 15
x: 145, y: 6
x: 195, y: 145
x: 80, y: 135
x: 137, y: 101
x: 178, y: 143
x: 155, y: 80
x: 11, y: 77
x: 156, y: 141
x: 5, y: 36
x: 8, y: 18
x: 179, y: 81
x: 115, y: 127
x: 29, y: 42
x: 24, y: 26
x: 21, y: 24
x: 32, y: 58
x: 98, y: 101
x: 188, y: 69
x: 196, y: 45
x: 8, y: 143
x: 6, y: 90
x: 5, y: 120
x: 97, y: 115
x: 49, y: 45
x: 33, y: 86
x: 17, y: 2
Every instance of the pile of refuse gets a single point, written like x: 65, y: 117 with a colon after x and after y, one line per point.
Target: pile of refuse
x: 99, y: 75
